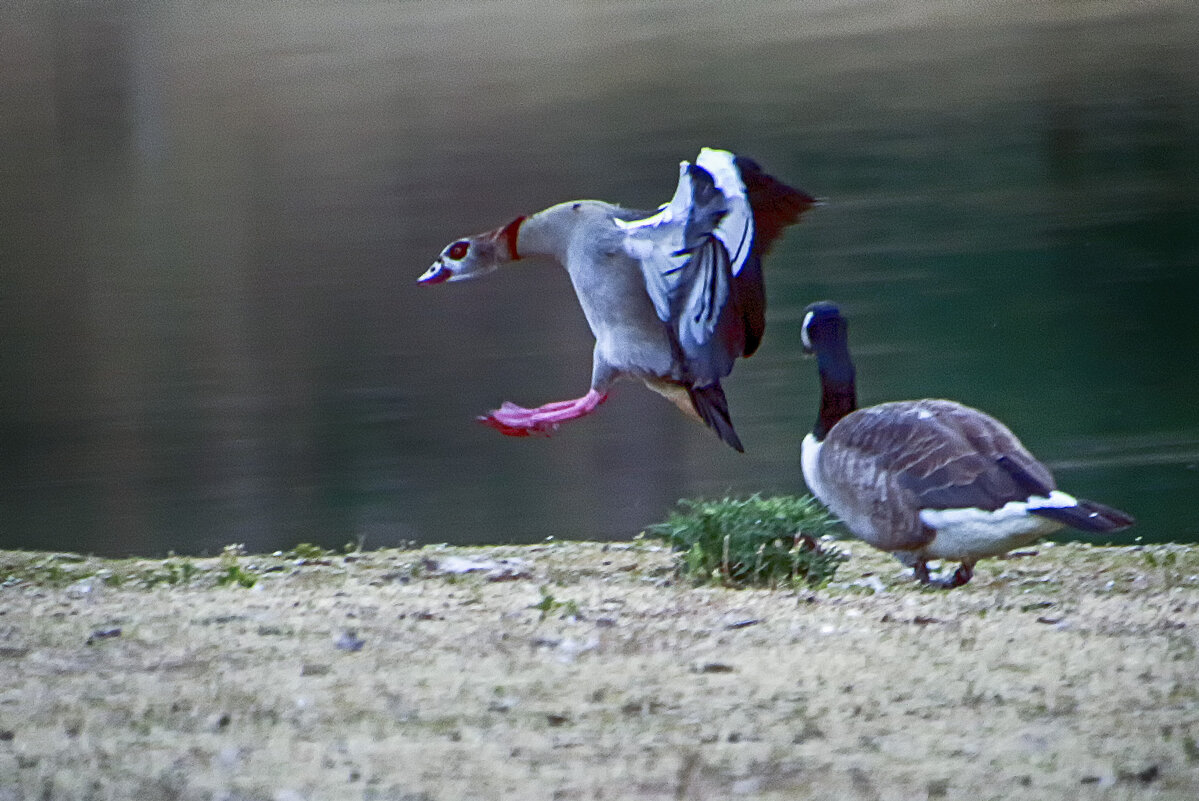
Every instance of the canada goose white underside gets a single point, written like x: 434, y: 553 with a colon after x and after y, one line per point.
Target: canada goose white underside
x: 809, y: 458
x: 976, y: 533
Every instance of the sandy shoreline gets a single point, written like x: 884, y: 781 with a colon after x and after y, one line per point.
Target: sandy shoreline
x: 586, y: 671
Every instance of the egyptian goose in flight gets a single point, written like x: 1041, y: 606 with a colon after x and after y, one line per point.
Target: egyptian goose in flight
x: 927, y: 479
x: 672, y: 297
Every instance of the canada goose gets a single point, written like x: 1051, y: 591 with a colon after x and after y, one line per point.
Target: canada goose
x: 927, y: 479
x: 672, y: 297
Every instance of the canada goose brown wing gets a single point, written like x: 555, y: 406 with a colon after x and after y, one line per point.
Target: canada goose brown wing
x: 892, y: 460
x: 980, y: 463
x: 860, y: 466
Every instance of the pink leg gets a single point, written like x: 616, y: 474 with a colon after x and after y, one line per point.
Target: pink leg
x: 517, y: 421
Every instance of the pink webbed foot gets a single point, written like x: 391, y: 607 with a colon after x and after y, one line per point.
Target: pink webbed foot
x: 517, y: 421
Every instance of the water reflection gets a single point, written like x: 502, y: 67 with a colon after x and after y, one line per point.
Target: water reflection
x: 213, y: 216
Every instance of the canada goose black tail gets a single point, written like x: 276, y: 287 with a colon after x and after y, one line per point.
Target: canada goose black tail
x: 713, y: 408
x: 1088, y: 516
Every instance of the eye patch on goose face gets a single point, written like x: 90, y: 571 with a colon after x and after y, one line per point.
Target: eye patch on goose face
x: 803, y: 333
x: 458, y: 250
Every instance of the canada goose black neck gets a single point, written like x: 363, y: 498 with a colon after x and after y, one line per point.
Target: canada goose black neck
x: 826, y: 333
x: 838, y: 393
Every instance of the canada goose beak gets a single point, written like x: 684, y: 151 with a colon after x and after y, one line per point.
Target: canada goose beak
x: 437, y: 274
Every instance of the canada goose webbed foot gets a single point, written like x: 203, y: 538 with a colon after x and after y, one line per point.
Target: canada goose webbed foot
x: 960, y: 576
x: 541, y: 421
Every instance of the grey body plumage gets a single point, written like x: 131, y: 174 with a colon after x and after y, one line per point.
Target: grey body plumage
x: 672, y: 297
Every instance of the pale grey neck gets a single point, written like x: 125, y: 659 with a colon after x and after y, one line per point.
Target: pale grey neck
x: 547, y: 233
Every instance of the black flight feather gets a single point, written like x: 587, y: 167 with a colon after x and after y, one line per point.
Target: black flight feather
x: 713, y: 408
x: 1088, y: 516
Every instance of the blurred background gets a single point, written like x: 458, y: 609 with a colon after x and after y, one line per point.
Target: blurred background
x: 212, y: 216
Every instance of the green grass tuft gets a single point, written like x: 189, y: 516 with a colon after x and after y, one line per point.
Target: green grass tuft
x: 549, y: 604
x: 752, y: 542
x: 231, y: 572
x: 306, y: 550
x: 236, y: 575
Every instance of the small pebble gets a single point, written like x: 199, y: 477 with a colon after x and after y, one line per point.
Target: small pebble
x: 349, y: 641
x: 103, y: 634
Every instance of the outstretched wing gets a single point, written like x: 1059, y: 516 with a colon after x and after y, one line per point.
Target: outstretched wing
x: 691, y: 252
x: 775, y: 206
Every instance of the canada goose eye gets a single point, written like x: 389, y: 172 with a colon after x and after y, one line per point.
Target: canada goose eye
x: 458, y: 250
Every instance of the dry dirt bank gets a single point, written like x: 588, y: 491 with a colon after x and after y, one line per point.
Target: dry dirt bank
x: 583, y: 671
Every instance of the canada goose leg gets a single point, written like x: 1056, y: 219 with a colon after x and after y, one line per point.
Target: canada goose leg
x: 517, y: 421
x: 960, y: 576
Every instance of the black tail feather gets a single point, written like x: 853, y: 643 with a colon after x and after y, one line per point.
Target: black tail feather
x: 713, y: 408
x: 1088, y: 516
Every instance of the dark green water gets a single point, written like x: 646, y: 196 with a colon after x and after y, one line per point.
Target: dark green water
x: 212, y: 216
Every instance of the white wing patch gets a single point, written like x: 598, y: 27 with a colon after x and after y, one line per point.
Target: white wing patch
x: 658, y: 243
x: 736, y: 230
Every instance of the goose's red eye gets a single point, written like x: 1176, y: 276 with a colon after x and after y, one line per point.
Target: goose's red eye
x: 458, y: 250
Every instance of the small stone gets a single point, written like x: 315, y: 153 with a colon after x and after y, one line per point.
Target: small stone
x: 349, y: 641
x: 1146, y: 776
x: 502, y: 705
x: 104, y: 634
